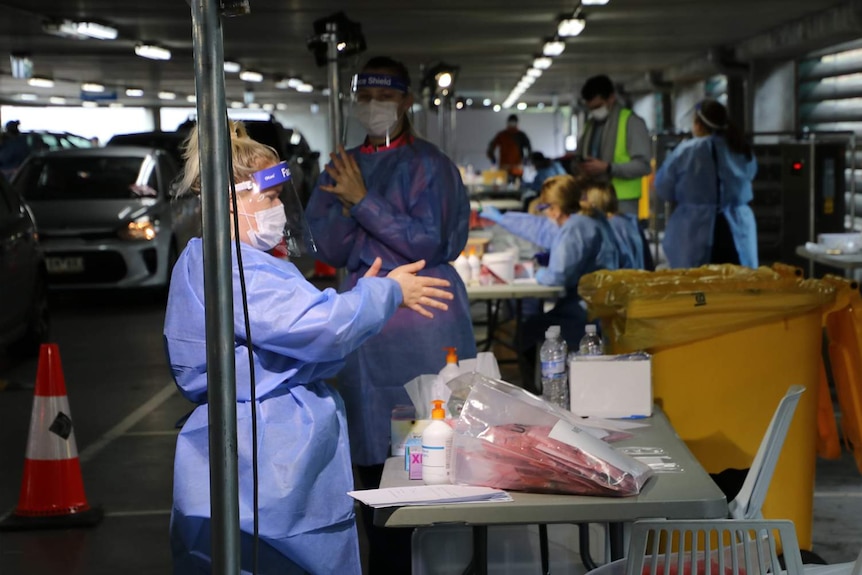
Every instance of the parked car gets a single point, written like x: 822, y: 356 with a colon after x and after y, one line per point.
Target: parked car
x: 171, y: 142
x: 106, y: 217
x: 46, y: 140
x: 24, y: 318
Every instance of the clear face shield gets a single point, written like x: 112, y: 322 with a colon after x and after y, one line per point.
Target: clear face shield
x: 375, y: 102
x: 281, y: 227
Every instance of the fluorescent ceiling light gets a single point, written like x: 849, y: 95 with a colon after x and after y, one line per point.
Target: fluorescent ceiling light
x: 281, y: 106
x: 192, y: 99
x: 269, y: 107
x: 522, y: 106
x: 134, y: 92
x: 444, y: 80
x: 115, y: 105
x: 540, y: 106
x: 553, y: 48
x: 282, y: 84
x: 92, y: 87
x: 152, y: 52
x: 542, y: 63
x: 254, y: 106
x: 167, y: 96
x: 41, y: 82
x: 88, y: 104
x: 534, y: 72
x: 57, y: 100
x: 96, y: 30
x: 305, y: 88
x: 497, y: 107
x: 236, y: 105
x: 231, y: 67
x: 594, y: 2
x: 486, y: 102
x: 250, y: 76
x: 28, y: 97
x: 294, y: 83
x: 571, y: 27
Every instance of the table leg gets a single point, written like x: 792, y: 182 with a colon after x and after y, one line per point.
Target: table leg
x: 480, y: 550
x: 543, y: 549
x: 616, y: 533
x: 492, y: 324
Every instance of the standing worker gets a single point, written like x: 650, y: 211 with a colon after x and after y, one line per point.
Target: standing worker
x: 398, y: 198
x: 709, y: 179
x: 615, y: 144
x: 514, y: 148
x: 299, y: 337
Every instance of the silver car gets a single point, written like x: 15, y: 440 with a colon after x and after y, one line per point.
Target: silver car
x: 106, y: 216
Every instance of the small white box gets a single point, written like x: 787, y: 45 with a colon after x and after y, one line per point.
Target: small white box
x: 610, y: 386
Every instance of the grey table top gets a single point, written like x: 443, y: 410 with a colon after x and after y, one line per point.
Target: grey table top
x: 688, y: 494
x: 513, y: 291
x: 843, y: 261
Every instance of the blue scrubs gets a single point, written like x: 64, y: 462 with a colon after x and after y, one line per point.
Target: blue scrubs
x: 580, y: 246
x: 688, y: 178
x: 629, y: 241
x: 416, y: 208
x: 300, y: 336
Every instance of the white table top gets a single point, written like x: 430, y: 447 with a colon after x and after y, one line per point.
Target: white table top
x: 690, y: 494
x: 500, y: 204
x: 844, y: 262
x: 513, y: 291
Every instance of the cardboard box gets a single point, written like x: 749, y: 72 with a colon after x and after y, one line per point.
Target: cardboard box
x: 610, y: 386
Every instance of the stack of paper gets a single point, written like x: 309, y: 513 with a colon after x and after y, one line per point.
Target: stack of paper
x: 428, y: 495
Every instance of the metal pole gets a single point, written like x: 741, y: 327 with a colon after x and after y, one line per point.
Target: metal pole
x: 335, y: 118
x: 812, y: 182
x: 853, y: 181
x: 221, y: 375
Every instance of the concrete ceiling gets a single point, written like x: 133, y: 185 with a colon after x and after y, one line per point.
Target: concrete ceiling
x: 493, y: 42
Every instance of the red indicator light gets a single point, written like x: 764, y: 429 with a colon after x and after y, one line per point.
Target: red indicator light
x: 797, y: 166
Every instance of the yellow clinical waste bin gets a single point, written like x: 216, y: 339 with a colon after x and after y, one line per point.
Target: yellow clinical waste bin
x: 727, y: 342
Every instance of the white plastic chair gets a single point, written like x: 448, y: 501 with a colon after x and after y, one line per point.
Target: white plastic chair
x: 748, y: 502
x: 711, y: 547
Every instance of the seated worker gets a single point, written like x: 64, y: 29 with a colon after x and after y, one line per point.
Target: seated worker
x: 580, y: 242
x: 545, y: 168
x: 602, y: 197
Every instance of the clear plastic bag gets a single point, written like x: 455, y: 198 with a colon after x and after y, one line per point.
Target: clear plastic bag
x: 508, y: 438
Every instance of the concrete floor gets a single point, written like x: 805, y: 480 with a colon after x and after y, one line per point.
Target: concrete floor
x: 125, y: 408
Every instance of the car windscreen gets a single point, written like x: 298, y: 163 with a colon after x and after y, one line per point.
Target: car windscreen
x: 82, y: 178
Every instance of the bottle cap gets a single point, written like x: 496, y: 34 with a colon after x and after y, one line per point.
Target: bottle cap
x: 438, y: 412
x: 590, y: 328
x: 452, y: 355
x: 553, y: 331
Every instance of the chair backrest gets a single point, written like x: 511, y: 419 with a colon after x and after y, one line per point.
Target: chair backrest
x: 749, y: 501
x: 712, y: 547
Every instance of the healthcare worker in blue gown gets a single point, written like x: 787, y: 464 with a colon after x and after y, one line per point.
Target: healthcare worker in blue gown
x: 299, y: 337
x: 708, y: 178
x: 580, y: 241
x: 601, y: 196
x: 399, y: 198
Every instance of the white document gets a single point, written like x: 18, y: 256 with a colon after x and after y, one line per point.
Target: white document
x: 428, y: 495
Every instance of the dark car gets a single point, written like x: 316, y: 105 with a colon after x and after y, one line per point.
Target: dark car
x: 24, y: 319
x: 106, y: 216
x: 171, y: 142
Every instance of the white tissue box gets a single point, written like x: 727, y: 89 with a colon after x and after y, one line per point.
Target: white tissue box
x: 602, y: 386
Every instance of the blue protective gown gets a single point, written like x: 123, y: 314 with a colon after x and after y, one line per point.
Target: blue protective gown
x: 300, y: 336
x: 416, y: 208
x: 629, y: 241
x: 688, y: 178
x: 580, y: 246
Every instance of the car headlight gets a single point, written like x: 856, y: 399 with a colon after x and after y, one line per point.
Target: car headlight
x: 142, y: 229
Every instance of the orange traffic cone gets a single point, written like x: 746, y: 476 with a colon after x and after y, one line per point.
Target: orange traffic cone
x: 52, y: 490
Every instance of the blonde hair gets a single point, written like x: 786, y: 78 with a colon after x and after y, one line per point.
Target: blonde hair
x: 563, y: 192
x: 602, y: 197
x: 247, y: 156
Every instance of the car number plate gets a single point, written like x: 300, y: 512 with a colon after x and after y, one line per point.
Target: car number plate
x: 64, y: 265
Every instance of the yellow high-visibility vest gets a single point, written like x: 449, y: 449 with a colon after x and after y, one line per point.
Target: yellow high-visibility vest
x: 627, y: 189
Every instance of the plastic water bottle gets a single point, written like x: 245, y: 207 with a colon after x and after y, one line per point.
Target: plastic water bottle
x: 591, y: 343
x: 555, y: 381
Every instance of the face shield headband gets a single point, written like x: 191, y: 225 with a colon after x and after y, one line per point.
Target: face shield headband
x: 297, y: 234
x: 380, y: 81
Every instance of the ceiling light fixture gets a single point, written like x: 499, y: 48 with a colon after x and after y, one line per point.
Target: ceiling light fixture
x: 570, y: 27
x: 79, y: 30
x: 167, y: 96
x: 281, y: 106
x: 497, y: 107
x: 41, y: 82
x: 542, y: 63
x: 594, y: 2
x: 134, y: 92
x: 116, y: 105
x: 305, y: 88
x: 486, y: 102
x: 282, y: 83
x: 269, y: 107
x: 231, y: 67
x: 96, y: 30
x: 534, y: 72
x: 522, y: 106
x: 553, y: 48
x: 28, y: 97
x: 236, y: 105
x: 192, y: 99
x: 57, y: 100
x: 89, y: 104
x: 152, y: 52
x: 92, y: 87
x: 250, y: 76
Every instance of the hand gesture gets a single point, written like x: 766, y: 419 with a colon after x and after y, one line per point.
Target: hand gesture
x: 593, y: 166
x: 348, y: 183
x: 418, y: 292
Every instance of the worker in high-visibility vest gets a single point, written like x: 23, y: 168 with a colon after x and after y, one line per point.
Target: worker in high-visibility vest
x: 615, y: 144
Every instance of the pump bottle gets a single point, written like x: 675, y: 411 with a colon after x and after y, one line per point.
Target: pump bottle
x: 436, y: 447
x: 451, y: 369
x: 475, y: 266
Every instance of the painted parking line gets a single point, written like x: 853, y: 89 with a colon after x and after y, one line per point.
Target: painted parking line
x: 128, y: 422
x: 838, y: 494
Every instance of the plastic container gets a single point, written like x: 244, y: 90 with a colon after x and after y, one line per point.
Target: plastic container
x: 591, y: 343
x: 841, y: 243
x: 475, y: 266
x: 462, y: 266
x: 437, y: 447
x: 451, y: 370
x: 555, y: 380
x: 726, y: 342
x: 502, y: 264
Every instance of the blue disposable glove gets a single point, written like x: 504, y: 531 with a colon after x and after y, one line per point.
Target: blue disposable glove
x: 491, y: 213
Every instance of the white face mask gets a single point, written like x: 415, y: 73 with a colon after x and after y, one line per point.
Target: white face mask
x: 600, y: 114
x: 378, y: 118
x: 270, y: 228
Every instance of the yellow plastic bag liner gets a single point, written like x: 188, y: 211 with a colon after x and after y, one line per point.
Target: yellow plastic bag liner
x: 643, y: 310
